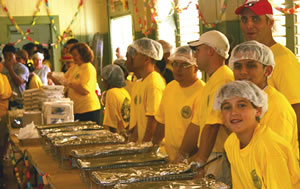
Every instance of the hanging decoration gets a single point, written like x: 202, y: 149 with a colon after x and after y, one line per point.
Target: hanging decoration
x: 143, y: 24
x: 288, y: 10
x: 212, y: 25
x: 13, y: 162
x: 178, y: 9
x: 66, y: 33
x: 113, y: 6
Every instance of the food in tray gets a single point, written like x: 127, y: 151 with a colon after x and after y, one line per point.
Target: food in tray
x: 111, y: 150
x: 129, y: 160
x: 104, y: 137
x: 143, y: 174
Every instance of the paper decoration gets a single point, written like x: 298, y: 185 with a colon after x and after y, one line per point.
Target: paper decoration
x: 212, y: 25
x: 143, y: 24
x: 25, y: 36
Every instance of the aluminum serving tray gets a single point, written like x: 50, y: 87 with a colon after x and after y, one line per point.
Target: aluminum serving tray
x: 62, y: 147
x: 166, y: 172
x: 117, y: 162
x: 114, y: 150
x: 203, y: 183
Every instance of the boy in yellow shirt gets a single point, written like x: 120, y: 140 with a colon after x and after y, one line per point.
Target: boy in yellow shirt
x: 259, y: 157
x: 254, y: 61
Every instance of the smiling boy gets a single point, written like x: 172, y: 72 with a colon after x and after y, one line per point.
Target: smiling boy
x: 259, y: 157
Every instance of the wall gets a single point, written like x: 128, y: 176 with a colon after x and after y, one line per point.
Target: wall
x: 92, y: 17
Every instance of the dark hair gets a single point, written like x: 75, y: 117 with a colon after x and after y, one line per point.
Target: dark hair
x: 9, y: 48
x: 29, y: 47
x: 72, y: 41
x: 85, y: 52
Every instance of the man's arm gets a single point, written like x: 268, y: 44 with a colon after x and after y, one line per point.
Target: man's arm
x: 159, y: 133
x: 189, y: 143
x: 207, y: 142
x: 151, y: 124
x: 16, y: 79
x: 134, y: 134
x: 296, y: 107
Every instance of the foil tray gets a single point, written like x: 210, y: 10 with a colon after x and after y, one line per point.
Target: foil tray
x: 66, y: 124
x: 71, y: 128
x: 142, y: 174
x: 59, y: 135
x: 101, y: 137
x: 113, y: 150
x: 203, y: 183
x: 133, y: 160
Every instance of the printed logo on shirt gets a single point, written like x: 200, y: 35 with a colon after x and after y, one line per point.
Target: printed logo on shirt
x: 135, y: 100
x: 186, y: 112
x: 125, y: 110
x: 256, y: 180
x: 77, y: 76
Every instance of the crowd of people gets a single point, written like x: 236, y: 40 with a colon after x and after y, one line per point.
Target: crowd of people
x: 246, y: 112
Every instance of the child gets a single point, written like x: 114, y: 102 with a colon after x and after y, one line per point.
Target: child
x: 259, y: 157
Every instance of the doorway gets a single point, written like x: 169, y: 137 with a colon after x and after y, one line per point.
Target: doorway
x: 120, y: 35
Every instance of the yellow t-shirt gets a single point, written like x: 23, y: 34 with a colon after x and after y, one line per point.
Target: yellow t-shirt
x: 175, y: 112
x: 5, y: 94
x: 205, y: 114
x: 266, y: 162
x: 117, y: 109
x: 147, y: 101
x: 285, y: 77
x: 35, y: 82
x: 133, y: 95
x: 85, y: 75
x: 129, y: 85
x: 281, y: 118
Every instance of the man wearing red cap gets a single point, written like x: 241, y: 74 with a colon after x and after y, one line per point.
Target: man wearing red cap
x: 256, y: 24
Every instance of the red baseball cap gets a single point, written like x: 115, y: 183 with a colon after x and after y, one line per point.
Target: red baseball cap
x: 259, y: 7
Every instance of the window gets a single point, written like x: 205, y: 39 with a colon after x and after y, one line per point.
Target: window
x: 189, y: 29
x: 166, y: 22
x: 279, y: 32
x: 121, y: 34
x: 297, y: 30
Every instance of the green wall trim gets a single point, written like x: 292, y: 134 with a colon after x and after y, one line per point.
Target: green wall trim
x: 26, y: 20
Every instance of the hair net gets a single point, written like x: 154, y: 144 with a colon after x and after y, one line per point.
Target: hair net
x: 183, y: 53
x: 148, y: 47
x: 131, y: 51
x: 38, y: 55
x: 252, y: 50
x: 113, y: 76
x: 243, y: 89
x: 121, y: 62
x: 167, y: 47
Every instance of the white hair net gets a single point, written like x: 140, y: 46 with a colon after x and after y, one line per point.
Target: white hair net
x: 252, y: 50
x: 243, y: 89
x: 183, y: 53
x: 148, y: 47
x: 167, y: 47
x: 113, y: 76
x: 38, y: 55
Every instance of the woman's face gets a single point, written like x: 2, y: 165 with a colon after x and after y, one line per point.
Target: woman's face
x: 38, y: 62
x: 76, y: 57
x: 239, y: 115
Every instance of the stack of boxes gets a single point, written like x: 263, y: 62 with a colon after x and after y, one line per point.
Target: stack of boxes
x: 47, y: 105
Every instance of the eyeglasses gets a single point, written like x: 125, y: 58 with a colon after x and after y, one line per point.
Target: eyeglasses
x: 182, y: 65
